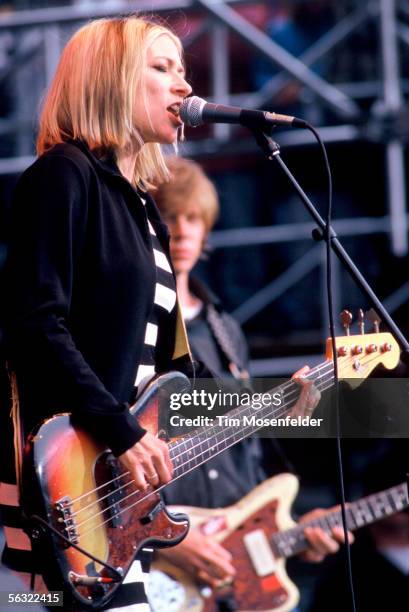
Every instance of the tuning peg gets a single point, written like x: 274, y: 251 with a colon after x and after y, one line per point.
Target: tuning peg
x: 373, y: 316
x: 361, y: 321
x: 346, y: 320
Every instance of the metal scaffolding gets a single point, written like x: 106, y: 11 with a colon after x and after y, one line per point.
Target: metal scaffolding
x: 31, y: 43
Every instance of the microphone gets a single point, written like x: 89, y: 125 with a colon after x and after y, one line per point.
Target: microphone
x: 196, y: 111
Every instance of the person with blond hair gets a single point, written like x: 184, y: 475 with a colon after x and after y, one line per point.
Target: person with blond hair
x: 189, y: 204
x: 91, y: 299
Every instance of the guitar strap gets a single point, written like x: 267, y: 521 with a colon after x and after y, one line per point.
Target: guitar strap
x: 222, y: 337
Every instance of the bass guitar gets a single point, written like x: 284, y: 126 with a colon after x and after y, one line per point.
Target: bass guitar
x: 260, y: 535
x: 83, y: 508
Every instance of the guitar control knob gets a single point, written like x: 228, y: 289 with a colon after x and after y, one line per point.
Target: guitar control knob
x: 206, y: 592
x: 386, y: 347
x: 342, y: 351
x: 371, y: 348
x: 357, y: 349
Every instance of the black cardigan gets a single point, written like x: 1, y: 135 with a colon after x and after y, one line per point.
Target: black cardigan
x: 81, y: 280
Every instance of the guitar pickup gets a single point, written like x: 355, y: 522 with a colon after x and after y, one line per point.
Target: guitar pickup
x: 260, y: 552
x: 149, y: 517
x: 111, y: 503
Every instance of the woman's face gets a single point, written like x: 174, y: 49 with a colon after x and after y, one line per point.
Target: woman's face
x: 166, y: 88
x: 187, y: 235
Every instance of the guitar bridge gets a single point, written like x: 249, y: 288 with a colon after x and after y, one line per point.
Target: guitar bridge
x: 65, y: 520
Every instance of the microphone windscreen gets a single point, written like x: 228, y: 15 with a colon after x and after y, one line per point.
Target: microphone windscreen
x: 191, y: 111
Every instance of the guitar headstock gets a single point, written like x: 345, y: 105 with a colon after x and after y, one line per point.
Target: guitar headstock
x: 360, y: 354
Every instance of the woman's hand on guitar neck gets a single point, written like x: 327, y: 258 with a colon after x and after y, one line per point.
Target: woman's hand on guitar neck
x: 321, y: 542
x: 309, y: 394
x: 148, y: 461
x: 203, y: 558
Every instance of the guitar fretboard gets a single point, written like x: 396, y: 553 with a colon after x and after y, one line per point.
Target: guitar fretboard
x: 204, y: 443
x: 358, y: 514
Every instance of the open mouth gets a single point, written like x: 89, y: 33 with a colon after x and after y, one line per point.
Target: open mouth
x: 174, y: 109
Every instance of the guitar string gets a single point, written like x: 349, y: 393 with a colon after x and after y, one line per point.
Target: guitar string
x: 125, y: 508
x: 213, y: 432
x: 324, y: 365
x: 297, y: 527
x: 193, y: 467
x: 179, y: 442
x: 291, y: 383
x: 99, y: 499
x: 179, y: 466
x: 280, y: 539
x: 189, y: 451
x: 102, y: 486
x: 210, y: 432
x: 382, y: 504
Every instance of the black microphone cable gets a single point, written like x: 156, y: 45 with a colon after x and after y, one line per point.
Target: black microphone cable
x: 193, y: 112
x: 328, y: 252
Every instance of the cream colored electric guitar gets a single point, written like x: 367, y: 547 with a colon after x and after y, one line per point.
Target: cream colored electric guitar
x: 260, y: 534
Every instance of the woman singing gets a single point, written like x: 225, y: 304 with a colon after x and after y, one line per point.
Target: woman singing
x: 91, y: 295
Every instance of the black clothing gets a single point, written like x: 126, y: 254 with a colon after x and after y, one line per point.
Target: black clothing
x: 201, y: 337
x: 81, y: 287
x: 378, y: 584
x: 226, y: 478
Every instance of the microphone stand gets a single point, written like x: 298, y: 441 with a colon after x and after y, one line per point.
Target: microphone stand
x: 272, y: 152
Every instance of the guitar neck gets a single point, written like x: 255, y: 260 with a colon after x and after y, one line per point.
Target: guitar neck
x: 202, y: 444
x: 358, y: 514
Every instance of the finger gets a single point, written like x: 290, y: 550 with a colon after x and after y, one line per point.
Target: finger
x: 158, y: 453
x: 309, y: 398
x: 220, y: 551
x: 320, y: 541
x: 216, y: 582
x: 152, y: 478
x: 161, y: 467
x: 338, y: 534
x: 166, y: 456
x: 139, y: 477
x: 148, y: 468
x: 219, y: 567
x: 214, y: 550
x: 203, y: 576
x: 223, y: 568
x: 214, y: 575
x: 212, y: 570
x: 299, y: 374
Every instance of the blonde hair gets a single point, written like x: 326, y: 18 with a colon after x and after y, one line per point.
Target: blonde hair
x: 188, y: 183
x: 92, y: 96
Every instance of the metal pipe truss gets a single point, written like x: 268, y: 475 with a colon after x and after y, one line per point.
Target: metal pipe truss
x: 31, y: 42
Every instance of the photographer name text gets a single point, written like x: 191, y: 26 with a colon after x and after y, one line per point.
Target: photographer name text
x: 178, y: 420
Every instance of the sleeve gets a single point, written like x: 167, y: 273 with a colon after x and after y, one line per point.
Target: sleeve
x: 49, y: 220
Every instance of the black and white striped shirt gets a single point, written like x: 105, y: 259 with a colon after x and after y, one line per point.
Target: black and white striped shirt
x: 164, y: 303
